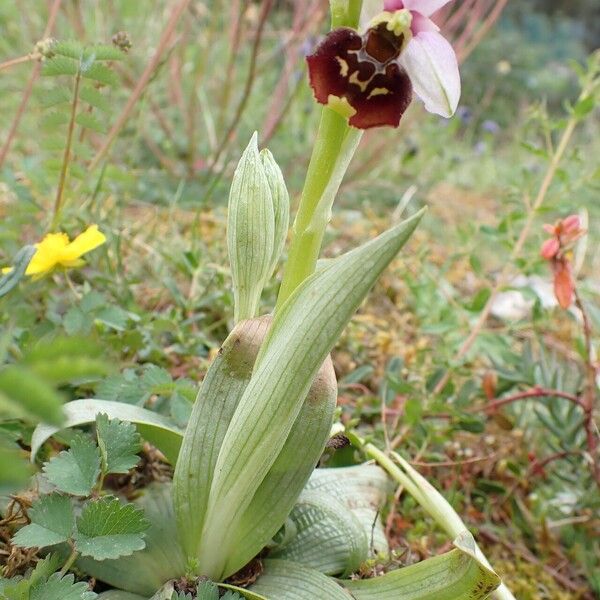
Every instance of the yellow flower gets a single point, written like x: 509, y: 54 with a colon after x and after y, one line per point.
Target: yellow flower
x: 55, y: 250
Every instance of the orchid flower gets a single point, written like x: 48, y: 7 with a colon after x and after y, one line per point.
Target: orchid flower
x: 370, y: 78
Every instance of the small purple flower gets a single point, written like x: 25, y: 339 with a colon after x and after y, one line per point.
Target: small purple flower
x: 370, y: 78
x: 490, y: 126
x: 465, y: 114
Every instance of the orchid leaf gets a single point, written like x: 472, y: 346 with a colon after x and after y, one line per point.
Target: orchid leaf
x: 158, y: 430
x: 286, y: 580
x: 455, y: 575
x: 219, y: 395
x: 363, y: 490
x: 282, y: 485
x: 329, y: 538
x: 303, y: 332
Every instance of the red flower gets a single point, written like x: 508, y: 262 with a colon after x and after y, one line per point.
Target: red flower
x: 556, y: 249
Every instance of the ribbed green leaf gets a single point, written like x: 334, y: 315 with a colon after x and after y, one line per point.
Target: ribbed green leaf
x: 161, y: 560
x: 155, y: 428
x: 362, y: 489
x: 219, y: 395
x: 281, y: 204
x: 303, y: 332
x: 329, y: 538
x: 286, y: 580
x: 456, y: 575
x: 282, y: 485
x: 250, y: 232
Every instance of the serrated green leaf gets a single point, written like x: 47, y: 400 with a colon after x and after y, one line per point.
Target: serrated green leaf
x: 120, y: 595
x: 102, y: 74
x: 52, y: 522
x: 95, y: 98
x: 27, y: 395
x: 155, y: 428
x: 108, y: 529
x: 75, y: 471
x: 59, y: 65
x: 207, y: 590
x: 61, y: 588
x: 89, y: 121
x: 161, y: 560
x: 119, y: 443
x: 45, y: 567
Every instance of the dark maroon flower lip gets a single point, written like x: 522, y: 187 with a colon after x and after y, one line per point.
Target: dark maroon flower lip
x: 359, y: 76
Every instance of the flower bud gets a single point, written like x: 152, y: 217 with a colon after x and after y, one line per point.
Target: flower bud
x: 250, y: 232
x: 281, y: 204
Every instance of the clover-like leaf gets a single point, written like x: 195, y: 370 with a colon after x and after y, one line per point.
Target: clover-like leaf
x: 61, y: 588
x: 108, y: 529
x: 76, y: 470
x: 52, y: 522
x: 119, y: 443
x: 207, y: 590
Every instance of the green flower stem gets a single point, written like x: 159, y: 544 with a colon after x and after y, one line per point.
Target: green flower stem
x: 333, y: 150
x: 426, y: 495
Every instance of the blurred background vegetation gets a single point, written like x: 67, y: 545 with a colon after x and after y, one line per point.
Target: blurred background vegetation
x: 153, y: 170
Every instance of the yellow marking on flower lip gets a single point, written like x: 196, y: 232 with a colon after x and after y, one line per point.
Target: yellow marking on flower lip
x: 341, y: 106
x: 344, y: 67
x: 361, y: 84
x: 55, y: 250
x: 379, y: 91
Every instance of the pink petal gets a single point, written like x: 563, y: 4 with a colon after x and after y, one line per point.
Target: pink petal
x: 432, y: 67
x: 571, y: 223
x: 421, y: 23
x: 425, y: 7
x: 550, y: 248
x: 392, y: 5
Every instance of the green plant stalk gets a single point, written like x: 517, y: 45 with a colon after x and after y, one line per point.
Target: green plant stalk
x: 67, y: 155
x: 333, y: 150
x: 427, y: 496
